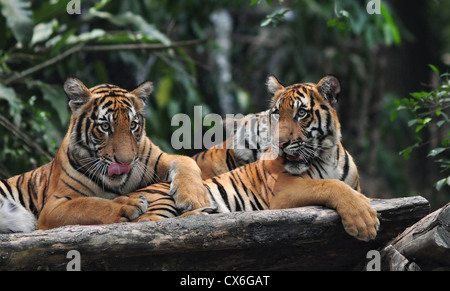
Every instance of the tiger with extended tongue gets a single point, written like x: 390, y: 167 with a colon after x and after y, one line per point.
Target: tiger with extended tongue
x: 104, y: 154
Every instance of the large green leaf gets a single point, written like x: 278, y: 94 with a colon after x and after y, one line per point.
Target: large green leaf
x: 43, y: 31
x: 19, y: 18
x: 15, y: 105
x: 56, y: 97
x: 390, y: 29
x: 137, y: 21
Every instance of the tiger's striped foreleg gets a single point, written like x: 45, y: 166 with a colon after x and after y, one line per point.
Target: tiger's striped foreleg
x: 162, y: 205
x: 75, y: 209
x: 186, y: 182
x: 358, y: 217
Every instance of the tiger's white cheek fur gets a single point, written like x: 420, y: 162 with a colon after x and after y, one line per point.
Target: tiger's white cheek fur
x: 171, y: 177
x: 15, y: 218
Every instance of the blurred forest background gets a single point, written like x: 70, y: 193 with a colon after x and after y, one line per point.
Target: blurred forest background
x: 218, y: 54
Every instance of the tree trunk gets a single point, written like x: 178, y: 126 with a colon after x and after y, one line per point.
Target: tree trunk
x: 306, y: 238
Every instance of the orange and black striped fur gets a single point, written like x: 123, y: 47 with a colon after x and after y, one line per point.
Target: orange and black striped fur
x: 104, y: 154
x: 316, y: 150
x: 306, y: 165
x: 247, y: 141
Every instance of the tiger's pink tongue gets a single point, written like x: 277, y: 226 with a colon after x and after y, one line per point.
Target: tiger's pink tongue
x: 118, y: 168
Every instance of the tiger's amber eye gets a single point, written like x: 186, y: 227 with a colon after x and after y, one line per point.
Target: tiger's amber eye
x: 105, y: 126
x: 302, y: 113
x: 134, y: 125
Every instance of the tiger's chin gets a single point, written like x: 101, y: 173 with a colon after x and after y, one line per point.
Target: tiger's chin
x: 116, y: 181
x: 121, y: 183
x: 295, y: 165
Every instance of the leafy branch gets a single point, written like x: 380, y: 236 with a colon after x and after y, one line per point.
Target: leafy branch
x: 430, y: 109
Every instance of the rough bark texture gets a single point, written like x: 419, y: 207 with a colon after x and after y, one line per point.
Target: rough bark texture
x: 290, y: 239
x: 425, y: 244
x: 392, y: 260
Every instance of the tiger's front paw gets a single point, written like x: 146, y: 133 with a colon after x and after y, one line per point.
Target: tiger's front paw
x: 189, y: 195
x: 204, y: 211
x: 358, y: 217
x: 130, y: 208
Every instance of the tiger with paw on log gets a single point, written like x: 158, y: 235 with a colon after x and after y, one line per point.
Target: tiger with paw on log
x: 306, y: 165
x: 104, y: 154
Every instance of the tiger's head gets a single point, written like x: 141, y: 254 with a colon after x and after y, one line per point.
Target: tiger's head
x: 304, y: 122
x: 106, y: 129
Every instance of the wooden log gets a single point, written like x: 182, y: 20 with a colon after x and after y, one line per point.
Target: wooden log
x: 306, y: 238
x: 392, y: 260
x: 427, y: 242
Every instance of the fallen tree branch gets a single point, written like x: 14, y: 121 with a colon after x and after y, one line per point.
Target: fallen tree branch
x: 298, y: 238
x: 143, y: 46
x: 17, y: 132
x: 42, y: 65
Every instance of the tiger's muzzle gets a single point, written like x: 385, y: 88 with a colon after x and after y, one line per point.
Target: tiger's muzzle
x: 297, y: 152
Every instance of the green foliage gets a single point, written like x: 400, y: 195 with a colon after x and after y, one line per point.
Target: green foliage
x: 274, y: 17
x: 350, y: 16
x: 429, y: 111
x: 43, y: 45
x: 18, y: 17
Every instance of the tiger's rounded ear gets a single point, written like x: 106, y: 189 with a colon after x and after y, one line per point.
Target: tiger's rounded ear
x: 77, y: 93
x: 329, y: 87
x: 143, y: 91
x: 273, y: 85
